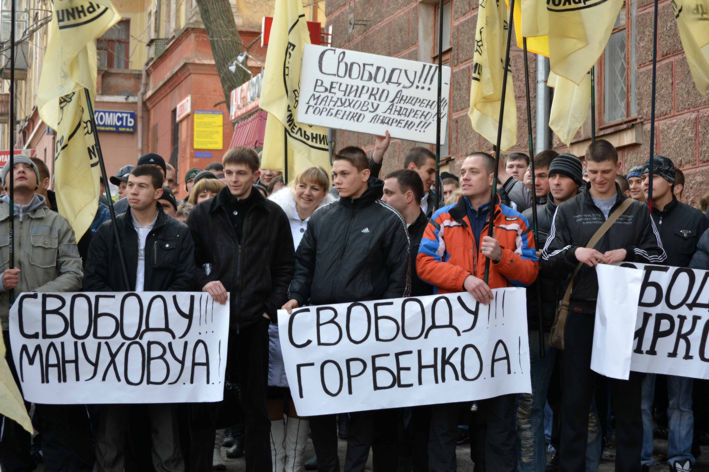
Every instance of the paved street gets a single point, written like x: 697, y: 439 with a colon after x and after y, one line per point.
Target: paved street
x: 466, y: 465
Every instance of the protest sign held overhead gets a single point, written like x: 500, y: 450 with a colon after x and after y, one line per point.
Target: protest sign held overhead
x: 670, y: 334
x: 405, y: 352
x: 369, y: 93
x: 119, y: 347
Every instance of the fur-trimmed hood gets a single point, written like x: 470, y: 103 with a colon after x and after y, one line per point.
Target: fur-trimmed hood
x: 285, y: 198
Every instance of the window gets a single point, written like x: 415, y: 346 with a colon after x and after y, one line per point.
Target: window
x: 446, y: 28
x: 618, y: 71
x: 112, y: 47
x: 445, y: 61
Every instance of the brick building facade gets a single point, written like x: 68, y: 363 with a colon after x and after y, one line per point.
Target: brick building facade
x: 408, y: 29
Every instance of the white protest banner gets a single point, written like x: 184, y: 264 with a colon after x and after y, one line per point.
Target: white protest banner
x: 616, y: 312
x: 672, y: 324
x: 405, y: 352
x: 369, y: 93
x: 119, y: 347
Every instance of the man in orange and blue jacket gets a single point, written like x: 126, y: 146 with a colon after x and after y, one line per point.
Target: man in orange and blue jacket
x: 452, y: 257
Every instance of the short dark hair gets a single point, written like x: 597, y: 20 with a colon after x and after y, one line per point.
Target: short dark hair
x: 418, y: 155
x: 451, y: 180
x: 242, y: 156
x: 354, y: 155
x: 43, y: 170
x: 601, y: 150
x: 408, y: 180
x: 679, y: 176
x: 622, y: 183
x: 150, y: 170
x: 543, y: 158
x: 215, y: 166
x: 489, y: 160
x: 518, y: 156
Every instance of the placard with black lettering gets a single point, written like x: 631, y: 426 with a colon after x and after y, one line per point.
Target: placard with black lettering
x: 119, y: 347
x: 405, y: 352
x: 369, y: 93
x: 670, y: 334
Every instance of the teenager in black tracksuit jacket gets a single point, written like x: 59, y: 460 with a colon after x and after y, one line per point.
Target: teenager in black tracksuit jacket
x: 574, y: 223
x: 247, y: 245
x: 353, y: 250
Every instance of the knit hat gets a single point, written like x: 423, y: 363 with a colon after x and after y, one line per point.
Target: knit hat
x: 19, y: 159
x: 568, y: 165
x: 169, y: 196
x: 192, y: 173
x: 661, y: 166
x: 154, y: 159
x: 636, y: 171
x: 205, y: 174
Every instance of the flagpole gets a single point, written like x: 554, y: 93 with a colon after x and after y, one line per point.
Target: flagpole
x: 285, y: 157
x: 438, y: 106
x: 111, y: 210
x: 11, y: 157
x: 652, y: 109
x: 535, y: 228
x: 593, y: 103
x: 499, y: 135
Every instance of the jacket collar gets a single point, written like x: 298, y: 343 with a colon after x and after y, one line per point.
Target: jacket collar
x: 220, y: 201
x: 459, y: 212
x: 159, y: 221
x: 588, y: 199
x: 38, y: 208
x: 422, y: 220
x: 668, y: 208
x: 375, y: 190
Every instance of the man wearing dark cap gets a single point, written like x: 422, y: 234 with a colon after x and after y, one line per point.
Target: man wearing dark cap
x: 565, y: 178
x: 189, y: 178
x: 168, y: 202
x: 680, y: 227
x: 635, y: 182
x: 121, y: 179
x: 217, y: 169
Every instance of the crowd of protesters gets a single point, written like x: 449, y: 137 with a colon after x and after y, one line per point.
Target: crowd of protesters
x: 243, y: 235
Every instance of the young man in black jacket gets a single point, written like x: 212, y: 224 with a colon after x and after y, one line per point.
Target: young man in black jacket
x: 680, y: 227
x: 244, y: 248
x: 354, y: 249
x: 565, y: 177
x: 159, y: 256
x: 633, y: 237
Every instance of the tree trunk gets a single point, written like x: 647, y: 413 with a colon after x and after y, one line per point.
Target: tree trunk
x: 224, y: 38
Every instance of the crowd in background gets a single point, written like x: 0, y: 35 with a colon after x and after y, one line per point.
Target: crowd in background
x: 355, y: 235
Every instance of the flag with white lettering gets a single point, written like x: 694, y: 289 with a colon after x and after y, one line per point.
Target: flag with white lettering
x: 280, y: 95
x: 70, y: 67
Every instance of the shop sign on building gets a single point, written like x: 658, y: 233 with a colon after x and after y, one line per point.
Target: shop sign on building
x: 115, y: 121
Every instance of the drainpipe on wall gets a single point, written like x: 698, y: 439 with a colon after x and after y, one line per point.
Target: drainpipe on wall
x: 543, y: 139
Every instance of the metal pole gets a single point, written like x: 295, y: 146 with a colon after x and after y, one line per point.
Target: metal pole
x: 11, y: 157
x: 438, y: 108
x: 543, y: 99
x: 535, y: 228
x: 652, y: 109
x: 593, y: 103
x: 499, y: 135
x: 285, y: 157
x: 102, y: 166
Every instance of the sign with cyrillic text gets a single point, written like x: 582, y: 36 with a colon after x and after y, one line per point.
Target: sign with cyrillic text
x: 119, y: 347
x: 115, y: 121
x: 671, y: 330
x: 405, y: 352
x: 369, y: 93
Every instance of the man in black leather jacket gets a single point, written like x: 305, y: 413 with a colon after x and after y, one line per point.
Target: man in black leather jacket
x: 243, y: 246
x: 354, y: 249
x: 159, y: 256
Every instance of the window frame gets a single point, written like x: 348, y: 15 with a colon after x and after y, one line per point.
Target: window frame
x: 445, y: 61
x: 110, y: 50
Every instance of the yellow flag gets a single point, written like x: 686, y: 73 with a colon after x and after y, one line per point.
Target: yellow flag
x: 69, y: 67
x: 11, y: 403
x: 280, y: 93
x: 693, y: 23
x: 570, y: 106
x: 527, y: 18
x: 579, y: 34
x: 486, y: 84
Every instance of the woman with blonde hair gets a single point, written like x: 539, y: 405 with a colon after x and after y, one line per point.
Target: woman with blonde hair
x: 289, y: 432
x: 205, y: 189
